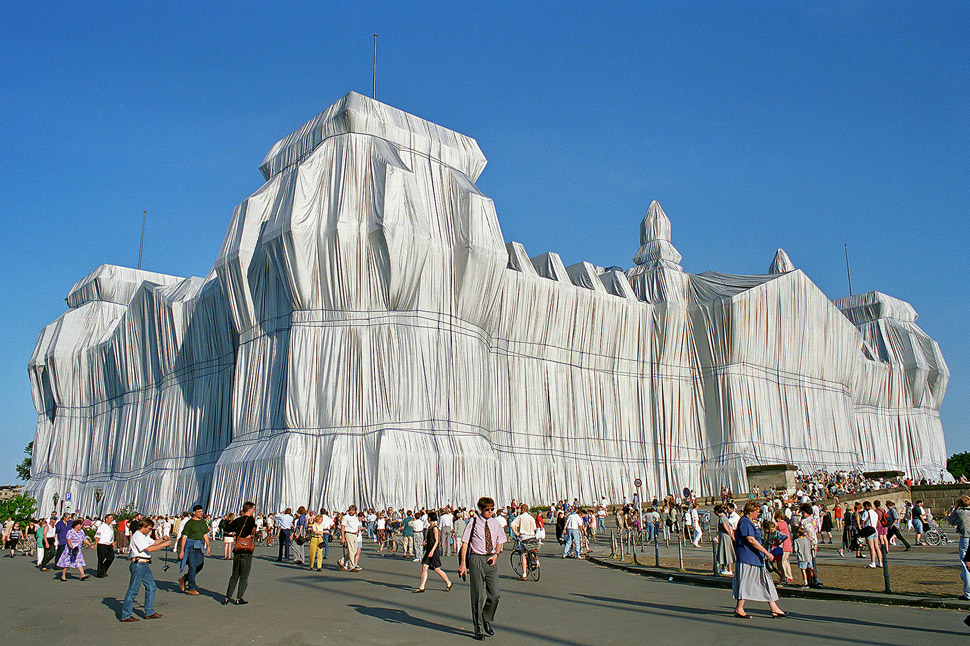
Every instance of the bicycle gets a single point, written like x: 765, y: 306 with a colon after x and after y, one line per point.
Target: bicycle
x: 936, y: 537
x: 531, y: 556
x: 263, y: 537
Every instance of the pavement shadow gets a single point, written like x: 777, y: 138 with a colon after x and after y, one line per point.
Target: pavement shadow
x: 114, y: 605
x: 396, y: 616
x: 396, y: 586
x: 794, y: 615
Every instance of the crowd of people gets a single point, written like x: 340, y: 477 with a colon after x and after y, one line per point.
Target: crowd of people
x: 772, y: 533
x: 475, y: 535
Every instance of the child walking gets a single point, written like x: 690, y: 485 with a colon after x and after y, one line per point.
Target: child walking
x: 803, y: 554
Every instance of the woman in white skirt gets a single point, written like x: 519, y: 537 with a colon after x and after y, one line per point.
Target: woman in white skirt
x: 751, y: 579
x: 228, y: 538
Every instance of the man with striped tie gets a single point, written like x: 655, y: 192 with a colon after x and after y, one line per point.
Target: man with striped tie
x: 481, y: 544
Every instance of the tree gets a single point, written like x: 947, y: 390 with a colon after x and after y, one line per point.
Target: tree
x: 959, y: 464
x: 21, y: 508
x: 127, y: 512
x: 23, y: 469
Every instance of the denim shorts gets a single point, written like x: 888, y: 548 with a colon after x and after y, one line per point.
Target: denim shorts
x: 804, y: 565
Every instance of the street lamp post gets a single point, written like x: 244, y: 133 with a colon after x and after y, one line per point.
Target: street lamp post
x: 98, y: 495
x: 56, y: 498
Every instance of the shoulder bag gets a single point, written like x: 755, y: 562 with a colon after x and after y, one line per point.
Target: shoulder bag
x: 245, y: 545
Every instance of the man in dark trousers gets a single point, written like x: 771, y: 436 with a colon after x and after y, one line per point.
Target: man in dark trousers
x: 61, y: 529
x: 892, y: 524
x: 481, y: 544
x: 50, y: 543
x: 242, y: 559
x: 105, y: 539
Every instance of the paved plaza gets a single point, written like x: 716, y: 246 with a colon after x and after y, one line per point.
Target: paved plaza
x: 575, y: 603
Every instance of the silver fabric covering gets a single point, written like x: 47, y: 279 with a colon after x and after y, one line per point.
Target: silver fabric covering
x: 366, y: 335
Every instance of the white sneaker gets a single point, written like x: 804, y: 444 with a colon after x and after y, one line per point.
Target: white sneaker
x: 872, y: 565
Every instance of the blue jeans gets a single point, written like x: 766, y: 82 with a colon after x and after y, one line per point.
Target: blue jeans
x: 195, y: 560
x: 326, y: 544
x: 600, y: 524
x: 964, y: 574
x: 141, y: 574
x: 572, y: 542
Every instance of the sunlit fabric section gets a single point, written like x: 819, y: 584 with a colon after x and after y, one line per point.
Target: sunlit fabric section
x: 366, y: 335
x: 898, y: 386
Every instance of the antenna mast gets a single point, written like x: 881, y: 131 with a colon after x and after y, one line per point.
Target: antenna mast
x: 847, y: 274
x: 144, y: 214
x: 374, y: 95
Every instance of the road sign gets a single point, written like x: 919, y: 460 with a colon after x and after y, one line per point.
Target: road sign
x: 67, y: 497
x: 637, y: 482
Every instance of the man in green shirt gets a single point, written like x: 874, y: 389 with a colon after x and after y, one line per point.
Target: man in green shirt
x: 408, y: 534
x: 195, y: 538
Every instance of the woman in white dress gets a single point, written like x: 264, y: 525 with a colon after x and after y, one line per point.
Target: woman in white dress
x: 227, y: 538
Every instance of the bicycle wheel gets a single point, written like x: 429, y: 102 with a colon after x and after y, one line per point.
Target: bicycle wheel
x: 515, y: 559
x: 534, y: 566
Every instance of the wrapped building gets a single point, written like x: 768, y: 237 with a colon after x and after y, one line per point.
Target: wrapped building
x: 366, y: 335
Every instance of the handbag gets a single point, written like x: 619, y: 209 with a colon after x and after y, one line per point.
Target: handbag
x: 866, y: 532
x: 245, y: 545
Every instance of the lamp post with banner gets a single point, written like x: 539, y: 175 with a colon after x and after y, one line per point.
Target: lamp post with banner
x: 637, y: 484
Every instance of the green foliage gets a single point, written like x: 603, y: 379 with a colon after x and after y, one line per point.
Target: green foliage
x: 959, y: 464
x: 21, y: 508
x: 127, y: 512
x: 23, y: 469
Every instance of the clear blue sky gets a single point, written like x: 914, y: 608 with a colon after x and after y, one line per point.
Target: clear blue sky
x: 794, y: 125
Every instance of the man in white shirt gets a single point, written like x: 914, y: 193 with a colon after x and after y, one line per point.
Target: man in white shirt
x: 418, y: 526
x: 371, y: 524
x: 104, y: 537
x: 573, y: 524
x: 447, y: 524
x: 327, y: 522
x: 695, y: 524
x: 285, y: 523
x: 140, y: 548
x: 524, y: 526
x: 349, y: 528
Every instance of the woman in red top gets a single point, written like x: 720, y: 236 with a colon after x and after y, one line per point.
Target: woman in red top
x: 785, y: 529
x: 837, y: 512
